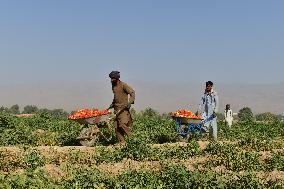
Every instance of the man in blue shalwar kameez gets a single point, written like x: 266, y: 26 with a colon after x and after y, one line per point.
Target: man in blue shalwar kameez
x: 209, y: 107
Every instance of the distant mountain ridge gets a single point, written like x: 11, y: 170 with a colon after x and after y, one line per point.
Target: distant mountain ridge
x: 164, y: 97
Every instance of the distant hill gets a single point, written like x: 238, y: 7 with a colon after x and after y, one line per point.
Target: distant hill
x: 163, y: 97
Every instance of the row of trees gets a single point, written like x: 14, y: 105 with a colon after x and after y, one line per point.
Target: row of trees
x: 246, y: 114
x: 31, y: 109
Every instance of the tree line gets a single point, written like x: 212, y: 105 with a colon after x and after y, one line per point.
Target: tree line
x: 32, y: 109
x: 245, y: 114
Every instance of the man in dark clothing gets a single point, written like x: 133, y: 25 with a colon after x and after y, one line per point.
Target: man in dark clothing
x: 124, y: 96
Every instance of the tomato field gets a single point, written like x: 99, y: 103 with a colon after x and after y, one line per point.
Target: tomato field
x: 42, y: 152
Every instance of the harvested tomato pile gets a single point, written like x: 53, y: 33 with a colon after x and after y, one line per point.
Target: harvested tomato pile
x: 185, y: 113
x: 87, y: 113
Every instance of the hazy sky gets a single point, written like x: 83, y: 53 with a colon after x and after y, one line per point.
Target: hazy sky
x: 58, y: 53
x: 151, y: 41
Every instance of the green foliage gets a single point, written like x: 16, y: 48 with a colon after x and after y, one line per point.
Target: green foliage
x: 52, y: 128
x: 248, y: 180
x: 15, y: 109
x: 171, y: 176
x: 30, y: 109
x: 138, y: 179
x: 140, y: 151
x: 267, y: 117
x: 220, y: 116
x: 250, y: 131
x: 56, y: 113
x: 179, y: 152
x: 4, y: 109
x: 33, y: 160
x: 149, y: 112
x: 136, y: 149
x: 154, y: 129
x: 245, y: 114
x: 232, y: 158
x: 276, y: 162
x: 280, y: 118
x: 238, y: 152
x: 257, y: 144
x: 177, y: 176
x: 42, y: 129
x: 7, y: 121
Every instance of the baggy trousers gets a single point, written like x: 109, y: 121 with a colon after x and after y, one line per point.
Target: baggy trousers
x: 212, y: 126
x: 123, y: 126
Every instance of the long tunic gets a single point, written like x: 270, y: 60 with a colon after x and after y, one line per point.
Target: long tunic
x: 123, y: 95
x: 121, y: 92
x: 209, y: 104
x: 229, y: 117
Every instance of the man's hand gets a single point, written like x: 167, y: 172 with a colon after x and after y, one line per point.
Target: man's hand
x: 110, y: 107
x: 128, y: 106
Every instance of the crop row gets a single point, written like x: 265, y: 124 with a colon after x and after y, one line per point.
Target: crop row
x: 229, y: 156
x: 170, y: 176
x: 45, y: 130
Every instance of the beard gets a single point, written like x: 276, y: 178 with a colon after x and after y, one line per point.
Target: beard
x: 114, y: 83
